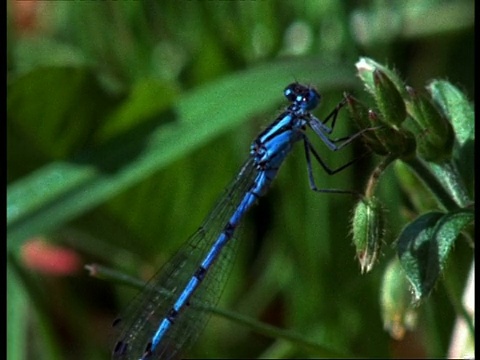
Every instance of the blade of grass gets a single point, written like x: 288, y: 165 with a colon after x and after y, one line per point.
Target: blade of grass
x: 60, y: 191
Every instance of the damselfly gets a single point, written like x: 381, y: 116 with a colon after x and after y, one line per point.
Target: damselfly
x: 161, y: 323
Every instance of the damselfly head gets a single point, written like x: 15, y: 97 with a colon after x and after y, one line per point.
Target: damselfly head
x: 305, y: 97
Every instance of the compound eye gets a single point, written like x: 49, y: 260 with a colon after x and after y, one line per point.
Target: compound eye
x: 311, y: 99
x: 291, y: 92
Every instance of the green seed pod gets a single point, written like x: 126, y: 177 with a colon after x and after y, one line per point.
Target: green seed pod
x: 360, y: 115
x: 387, y: 89
x: 396, y: 141
x: 388, y: 99
x: 366, y: 67
x: 368, y: 231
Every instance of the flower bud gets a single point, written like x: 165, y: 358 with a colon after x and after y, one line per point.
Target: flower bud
x: 434, y: 133
x: 368, y: 230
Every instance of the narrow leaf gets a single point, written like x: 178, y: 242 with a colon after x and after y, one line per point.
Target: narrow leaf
x: 61, y: 191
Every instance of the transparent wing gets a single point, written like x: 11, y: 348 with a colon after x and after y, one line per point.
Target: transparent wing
x: 136, y: 328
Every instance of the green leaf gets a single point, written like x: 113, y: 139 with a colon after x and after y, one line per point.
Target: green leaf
x: 16, y: 316
x: 449, y: 175
x: 461, y: 114
x: 424, y: 246
x: 147, y: 99
x: 456, y: 107
x: 62, y: 190
x: 56, y: 109
x: 27, y: 293
x: 41, y: 51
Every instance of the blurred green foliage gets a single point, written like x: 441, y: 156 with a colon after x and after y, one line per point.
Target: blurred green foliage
x: 116, y: 112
